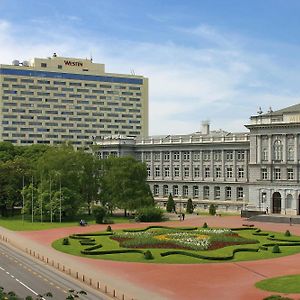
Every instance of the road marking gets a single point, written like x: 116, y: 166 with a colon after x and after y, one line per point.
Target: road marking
x: 2, y: 269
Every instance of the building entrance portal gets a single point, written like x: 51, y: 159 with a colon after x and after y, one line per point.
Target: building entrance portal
x: 276, y: 207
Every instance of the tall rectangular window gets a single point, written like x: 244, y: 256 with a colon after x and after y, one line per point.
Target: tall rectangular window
x: 157, y: 171
x: 176, y: 172
x: 290, y: 174
x: 196, y: 172
x: 195, y: 191
x: 228, y: 192
x: 264, y: 173
x: 186, y: 155
x: 229, y: 172
x: 206, y: 172
x: 167, y: 171
x: 218, y: 172
x: 186, y: 171
x: 206, y: 192
x: 240, y: 192
x: 277, y: 173
x: 166, y: 156
x: 176, y: 155
x: 240, y: 172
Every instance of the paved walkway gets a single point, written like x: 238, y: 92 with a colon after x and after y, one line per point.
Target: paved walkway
x: 173, y: 281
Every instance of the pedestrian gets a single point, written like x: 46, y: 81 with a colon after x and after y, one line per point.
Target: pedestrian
x: 267, y: 210
x: 183, y: 215
x: 290, y: 221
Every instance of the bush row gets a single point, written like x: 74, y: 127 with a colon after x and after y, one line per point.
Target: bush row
x: 158, y: 227
x: 200, y: 256
x: 89, y: 252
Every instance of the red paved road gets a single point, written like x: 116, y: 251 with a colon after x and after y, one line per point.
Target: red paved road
x: 193, y: 281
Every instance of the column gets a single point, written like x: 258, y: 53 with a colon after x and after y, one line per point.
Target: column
x: 270, y: 152
x: 284, y: 148
x: 258, y: 154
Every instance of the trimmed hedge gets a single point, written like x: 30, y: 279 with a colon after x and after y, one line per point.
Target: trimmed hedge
x: 118, y: 251
x: 159, y: 227
x: 200, y: 256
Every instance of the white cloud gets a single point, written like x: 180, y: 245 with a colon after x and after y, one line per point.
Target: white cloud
x: 187, y: 84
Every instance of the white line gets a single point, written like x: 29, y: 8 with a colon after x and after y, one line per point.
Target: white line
x: 2, y: 269
x: 27, y: 287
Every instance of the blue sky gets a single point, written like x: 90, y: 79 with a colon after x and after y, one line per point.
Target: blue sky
x: 214, y: 59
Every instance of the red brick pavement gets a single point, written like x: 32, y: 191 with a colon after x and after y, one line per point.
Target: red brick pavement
x: 192, y: 281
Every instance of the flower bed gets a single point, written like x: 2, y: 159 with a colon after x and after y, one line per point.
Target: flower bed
x: 200, y: 239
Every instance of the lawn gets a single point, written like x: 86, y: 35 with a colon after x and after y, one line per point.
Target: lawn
x: 103, y: 245
x: 283, y: 284
x: 17, y: 224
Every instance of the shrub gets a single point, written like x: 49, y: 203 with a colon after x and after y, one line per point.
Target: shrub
x: 170, y: 204
x: 99, y: 213
x: 287, y: 233
x: 205, y: 225
x: 212, y: 210
x: 189, y: 206
x: 148, y: 255
x: 149, y: 214
x: 66, y: 241
x: 276, y: 249
x: 277, y: 297
x: 108, y: 229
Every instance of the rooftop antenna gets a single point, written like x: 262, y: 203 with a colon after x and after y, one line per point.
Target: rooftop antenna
x: 132, y: 72
x: 91, y: 57
x: 270, y: 110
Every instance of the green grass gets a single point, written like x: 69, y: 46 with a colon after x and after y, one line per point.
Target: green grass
x: 283, y: 284
x: 108, y: 244
x: 17, y: 224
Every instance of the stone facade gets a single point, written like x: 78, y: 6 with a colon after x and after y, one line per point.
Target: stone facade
x: 258, y: 169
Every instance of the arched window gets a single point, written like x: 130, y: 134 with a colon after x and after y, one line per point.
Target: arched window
x: 277, y: 150
x: 185, y: 191
x: 165, y: 190
x: 156, y: 190
x: 175, y: 190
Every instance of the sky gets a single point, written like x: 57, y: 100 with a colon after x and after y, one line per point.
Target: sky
x: 216, y: 60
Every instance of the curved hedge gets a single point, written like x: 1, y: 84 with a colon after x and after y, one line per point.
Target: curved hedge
x: 160, y: 227
x: 200, y: 256
x: 89, y: 252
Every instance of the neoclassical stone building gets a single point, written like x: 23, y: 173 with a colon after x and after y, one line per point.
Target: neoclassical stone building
x: 258, y: 168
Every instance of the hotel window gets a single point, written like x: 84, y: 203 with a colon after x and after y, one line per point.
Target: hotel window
x: 218, y: 172
x: 195, y: 191
x: 196, y: 155
x: 165, y: 190
x: 148, y: 171
x: 185, y: 190
x: 228, y: 192
x: 277, y: 173
x: 229, y: 172
x: 265, y: 154
x: 290, y: 174
x: 217, y: 192
x: 206, y: 155
x: 43, y: 65
x: 264, y: 173
x: 240, y: 192
x: 157, y: 171
x: 176, y: 155
x: 176, y: 171
x: 206, y: 192
x: 241, y: 155
x: 186, y: 172
x: 175, y: 190
x: 217, y: 155
x: 167, y: 156
x: 167, y: 171
x: 290, y: 154
x: 240, y: 172
x: 196, y: 172
x: 206, y: 172
x: 186, y: 155
x: 277, y: 150
x: 156, y: 190
x: 229, y: 155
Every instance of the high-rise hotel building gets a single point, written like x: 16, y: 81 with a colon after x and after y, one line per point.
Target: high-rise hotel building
x: 57, y: 99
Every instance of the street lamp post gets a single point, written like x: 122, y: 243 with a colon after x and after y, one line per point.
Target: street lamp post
x: 59, y: 198
x: 32, y: 199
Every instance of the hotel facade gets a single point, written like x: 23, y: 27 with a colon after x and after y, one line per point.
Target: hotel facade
x: 258, y: 169
x: 57, y: 100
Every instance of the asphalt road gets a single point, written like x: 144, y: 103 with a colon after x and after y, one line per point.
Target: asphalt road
x: 26, y: 277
